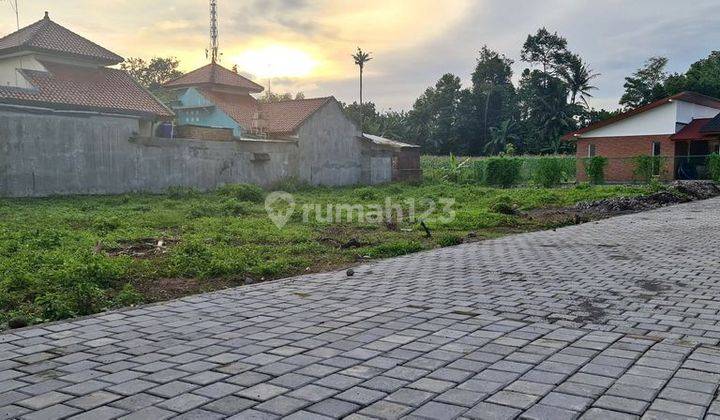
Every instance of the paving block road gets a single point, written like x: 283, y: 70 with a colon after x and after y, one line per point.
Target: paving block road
x: 617, y: 319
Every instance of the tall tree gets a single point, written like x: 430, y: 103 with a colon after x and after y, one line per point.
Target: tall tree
x: 493, y: 96
x: 646, y: 84
x: 153, y: 74
x: 546, y: 113
x: 578, y: 76
x: 545, y: 48
x: 434, y: 117
x: 361, y: 57
x: 703, y: 76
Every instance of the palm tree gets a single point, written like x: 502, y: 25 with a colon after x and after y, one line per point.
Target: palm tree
x: 500, y: 136
x: 578, y: 76
x: 361, y: 57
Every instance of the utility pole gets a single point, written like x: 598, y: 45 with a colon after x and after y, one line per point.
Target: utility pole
x: 214, y: 43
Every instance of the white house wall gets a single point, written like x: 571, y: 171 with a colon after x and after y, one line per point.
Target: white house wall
x: 660, y: 120
x: 9, y: 75
x: 687, y: 112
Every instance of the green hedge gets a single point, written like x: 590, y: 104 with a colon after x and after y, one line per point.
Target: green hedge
x: 648, y: 167
x: 503, y: 171
x: 549, y: 172
x: 714, y: 167
x: 595, y: 169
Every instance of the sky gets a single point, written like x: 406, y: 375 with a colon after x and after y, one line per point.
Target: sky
x: 306, y: 45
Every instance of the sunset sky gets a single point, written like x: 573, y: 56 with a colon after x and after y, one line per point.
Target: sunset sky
x: 305, y: 45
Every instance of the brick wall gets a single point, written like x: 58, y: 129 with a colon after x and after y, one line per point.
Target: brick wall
x: 204, y: 133
x: 621, y: 150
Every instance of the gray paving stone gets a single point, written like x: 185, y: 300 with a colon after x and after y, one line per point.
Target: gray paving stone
x: 475, y: 327
x: 230, y: 405
x: 487, y: 411
x: 546, y: 412
x: 262, y: 392
x: 436, y: 410
x: 333, y: 408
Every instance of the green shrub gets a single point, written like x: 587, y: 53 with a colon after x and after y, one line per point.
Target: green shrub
x: 595, y: 169
x: 648, y: 167
x: 714, y: 166
x: 182, y: 192
x: 393, y: 249
x: 503, y: 204
x: 503, y: 171
x: 243, y: 192
x: 290, y: 184
x: 366, y: 193
x: 128, y: 296
x: 549, y: 172
x: 449, y: 240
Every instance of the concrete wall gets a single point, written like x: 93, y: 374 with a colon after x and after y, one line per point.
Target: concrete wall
x: 330, y: 152
x: 46, y: 154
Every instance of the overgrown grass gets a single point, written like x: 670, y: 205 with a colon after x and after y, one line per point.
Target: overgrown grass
x: 474, y: 170
x: 64, y: 257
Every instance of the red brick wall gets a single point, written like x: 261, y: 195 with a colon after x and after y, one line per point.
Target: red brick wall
x: 204, y: 133
x: 620, y: 152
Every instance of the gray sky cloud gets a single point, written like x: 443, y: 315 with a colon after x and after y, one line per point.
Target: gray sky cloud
x: 411, y: 49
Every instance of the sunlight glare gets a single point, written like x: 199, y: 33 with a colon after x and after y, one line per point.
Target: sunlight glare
x: 276, y: 61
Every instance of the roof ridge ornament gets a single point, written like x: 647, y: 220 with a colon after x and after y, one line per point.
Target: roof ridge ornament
x: 47, y: 15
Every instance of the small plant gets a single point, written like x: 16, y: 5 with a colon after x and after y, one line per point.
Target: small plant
x: 595, y: 169
x: 394, y: 249
x: 179, y: 193
x: 648, y: 168
x: 290, y: 184
x: 366, y: 193
x: 449, y: 240
x: 243, y: 192
x: 128, y: 296
x: 504, y: 204
x: 549, y: 172
x: 714, y: 166
x: 503, y: 171
x: 454, y: 168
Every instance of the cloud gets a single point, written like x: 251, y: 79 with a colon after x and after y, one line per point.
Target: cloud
x: 414, y: 42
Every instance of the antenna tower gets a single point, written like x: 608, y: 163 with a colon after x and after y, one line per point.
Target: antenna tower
x: 214, y: 43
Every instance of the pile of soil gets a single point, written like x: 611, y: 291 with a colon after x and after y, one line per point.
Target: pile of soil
x: 677, y: 192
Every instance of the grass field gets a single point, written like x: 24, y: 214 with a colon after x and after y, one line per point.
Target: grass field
x: 64, y: 257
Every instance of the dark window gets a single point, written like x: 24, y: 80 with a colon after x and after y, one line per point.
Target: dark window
x: 656, y: 148
x: 717, y: 148
x: 591, y: 150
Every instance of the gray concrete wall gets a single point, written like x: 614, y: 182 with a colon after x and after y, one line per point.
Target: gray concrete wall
x: 330, y: 152
x: 46, y: 154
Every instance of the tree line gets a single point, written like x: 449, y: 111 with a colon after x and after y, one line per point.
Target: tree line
x: 550, y: 99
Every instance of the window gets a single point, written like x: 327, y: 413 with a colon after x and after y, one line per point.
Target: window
x: 717, y: 148
x: 592, y: 150
x: 656, y: 148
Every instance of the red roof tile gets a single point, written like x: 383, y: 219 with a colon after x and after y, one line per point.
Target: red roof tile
x: 691, y: 97
x: 282, y: 118
x: 240, y: 108
x: 214, y: 74
x: 285, y: 117
x: 81, y: 88
x: 692, y: 131
x: 49, y: 37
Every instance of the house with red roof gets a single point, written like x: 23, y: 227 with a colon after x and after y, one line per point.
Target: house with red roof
x: 47, y: 67
x: 682, y: 129
x: 331, y: 149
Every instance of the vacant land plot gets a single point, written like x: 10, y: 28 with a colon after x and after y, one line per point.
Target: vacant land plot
x: 63, y: 257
